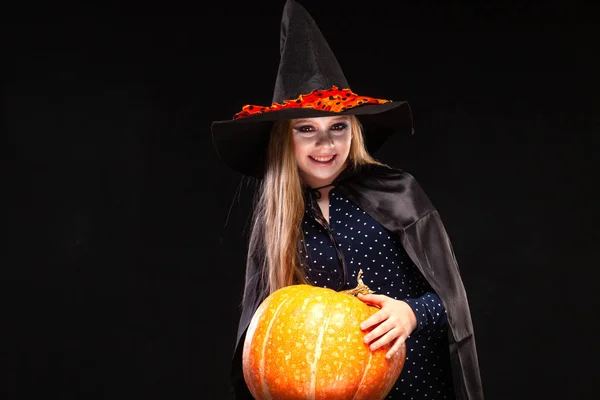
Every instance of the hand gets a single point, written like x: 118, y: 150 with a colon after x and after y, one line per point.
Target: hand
x: 394, y: 321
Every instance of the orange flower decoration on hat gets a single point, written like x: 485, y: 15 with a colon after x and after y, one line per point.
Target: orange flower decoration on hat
x: 334, y: 99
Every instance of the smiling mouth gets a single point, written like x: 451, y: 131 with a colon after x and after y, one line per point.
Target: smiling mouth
x: 323, y: 159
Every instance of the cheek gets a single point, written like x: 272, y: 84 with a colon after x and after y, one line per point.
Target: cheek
x: 300, y: 149
x: 343, y: 144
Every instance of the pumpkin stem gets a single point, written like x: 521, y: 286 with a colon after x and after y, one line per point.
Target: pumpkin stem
x: 361, y: 288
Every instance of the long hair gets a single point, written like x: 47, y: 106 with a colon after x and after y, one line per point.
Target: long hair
x: 279, y: 208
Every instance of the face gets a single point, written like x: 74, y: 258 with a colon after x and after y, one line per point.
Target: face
x: 321, y: 147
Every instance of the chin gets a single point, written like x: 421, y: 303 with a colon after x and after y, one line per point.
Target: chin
x: 321, y: 177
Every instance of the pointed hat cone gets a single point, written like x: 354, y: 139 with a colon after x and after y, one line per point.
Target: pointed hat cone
x: 307, y: 62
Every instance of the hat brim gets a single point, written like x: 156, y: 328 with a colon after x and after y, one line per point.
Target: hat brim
x: 242, y: 143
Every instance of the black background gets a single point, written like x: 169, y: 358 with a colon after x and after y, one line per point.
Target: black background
x: 121, y: 270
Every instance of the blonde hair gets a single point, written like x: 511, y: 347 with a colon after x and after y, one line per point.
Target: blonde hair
x: 279, y: 208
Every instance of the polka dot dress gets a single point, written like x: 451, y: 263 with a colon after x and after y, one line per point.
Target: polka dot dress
x: 387, y: 269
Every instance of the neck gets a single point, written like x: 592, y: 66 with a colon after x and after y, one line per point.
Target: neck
x: 323, y: 190
x: 319, y: 191
x: 328, y: 186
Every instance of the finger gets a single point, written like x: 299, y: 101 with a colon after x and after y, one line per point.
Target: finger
x: 396, y: 347
x: 383, y: 340
x: 374, y: 299
x: 374, y: 320
x: 378, y: 331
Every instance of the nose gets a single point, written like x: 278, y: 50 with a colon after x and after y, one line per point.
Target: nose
x: 325, y: 140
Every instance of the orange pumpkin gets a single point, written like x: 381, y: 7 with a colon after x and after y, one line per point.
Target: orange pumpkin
x: 304, y: 342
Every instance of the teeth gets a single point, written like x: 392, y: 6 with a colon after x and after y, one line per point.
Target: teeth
x: 322, y: 159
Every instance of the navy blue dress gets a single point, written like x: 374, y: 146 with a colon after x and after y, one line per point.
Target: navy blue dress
x: 365, y: 244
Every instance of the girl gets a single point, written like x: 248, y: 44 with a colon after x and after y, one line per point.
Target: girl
x: 326, y: 209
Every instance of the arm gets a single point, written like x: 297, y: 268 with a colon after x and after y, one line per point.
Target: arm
x: 428, y: 244
x: 397, y: 319
x: 429, y: 312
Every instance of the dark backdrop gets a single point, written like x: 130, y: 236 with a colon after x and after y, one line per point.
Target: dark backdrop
x: 121, y: 278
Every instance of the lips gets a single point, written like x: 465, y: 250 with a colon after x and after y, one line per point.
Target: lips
x: 323, y: 159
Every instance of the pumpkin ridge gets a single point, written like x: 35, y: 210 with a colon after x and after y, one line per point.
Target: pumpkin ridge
x: 265, y: 385
x: 365, y: 370
x: 318, y: 350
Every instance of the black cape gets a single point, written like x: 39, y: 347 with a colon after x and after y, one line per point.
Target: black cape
x: 395, y: 199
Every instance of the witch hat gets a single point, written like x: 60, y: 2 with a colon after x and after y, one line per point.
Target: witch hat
x: 309, y: 83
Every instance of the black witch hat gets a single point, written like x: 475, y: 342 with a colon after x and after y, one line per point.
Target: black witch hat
x: 310, y: 83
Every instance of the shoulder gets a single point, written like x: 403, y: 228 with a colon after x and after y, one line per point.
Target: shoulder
x: 386, y: 177
x: 390, y: 190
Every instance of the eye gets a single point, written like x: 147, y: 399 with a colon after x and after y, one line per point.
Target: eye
x: 340, y: 126
x: 304, y: 129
